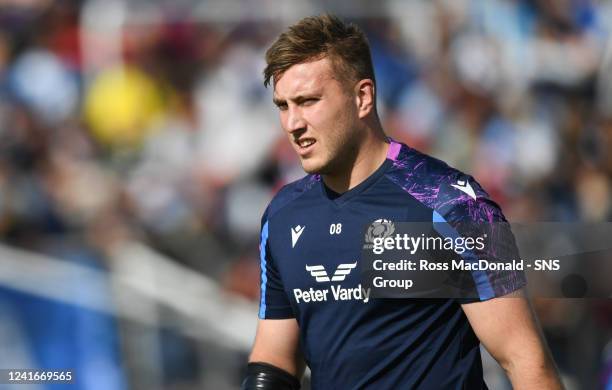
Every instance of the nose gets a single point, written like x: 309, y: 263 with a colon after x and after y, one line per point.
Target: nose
x: 295, y: 120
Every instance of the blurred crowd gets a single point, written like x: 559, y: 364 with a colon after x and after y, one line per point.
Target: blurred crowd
x: 164, y: 134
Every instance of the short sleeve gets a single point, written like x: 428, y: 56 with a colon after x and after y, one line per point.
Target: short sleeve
x: 468, y: 217
x: 273, y: 303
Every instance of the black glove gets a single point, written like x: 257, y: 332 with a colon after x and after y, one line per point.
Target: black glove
x: 264, y: 376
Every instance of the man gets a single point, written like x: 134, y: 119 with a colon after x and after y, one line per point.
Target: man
x: 324, y: 87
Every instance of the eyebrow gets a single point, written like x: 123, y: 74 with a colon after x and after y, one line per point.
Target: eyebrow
x: 297, y: 99
x: 278, y: 101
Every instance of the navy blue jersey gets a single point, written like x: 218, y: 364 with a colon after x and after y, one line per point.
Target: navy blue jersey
x: 311, y: 242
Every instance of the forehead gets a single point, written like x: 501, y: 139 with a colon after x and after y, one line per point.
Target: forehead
x: 304, y: 78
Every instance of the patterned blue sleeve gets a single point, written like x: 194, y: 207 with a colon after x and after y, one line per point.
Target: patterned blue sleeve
x: 465, y: 209
x: 459, y: 207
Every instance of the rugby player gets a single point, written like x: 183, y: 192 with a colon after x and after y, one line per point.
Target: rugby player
x: 313, y: 310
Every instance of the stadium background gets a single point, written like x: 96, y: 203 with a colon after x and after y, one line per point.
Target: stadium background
x: 138, y: 149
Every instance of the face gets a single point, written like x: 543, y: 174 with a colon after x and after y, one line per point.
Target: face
x: 319, y: 115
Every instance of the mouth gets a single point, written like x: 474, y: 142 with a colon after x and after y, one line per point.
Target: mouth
x: 305, y: 145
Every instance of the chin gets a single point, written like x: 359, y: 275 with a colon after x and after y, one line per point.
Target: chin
x: 310, y: 169
x: 313, y: 167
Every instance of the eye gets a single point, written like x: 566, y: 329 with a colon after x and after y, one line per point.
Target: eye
x: 310, y: 101
x: 282, y: 106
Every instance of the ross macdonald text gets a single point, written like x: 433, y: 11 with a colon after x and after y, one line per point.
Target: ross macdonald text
x: 465, y: 265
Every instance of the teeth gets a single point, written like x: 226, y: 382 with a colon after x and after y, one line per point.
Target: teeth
x: 306, y: 143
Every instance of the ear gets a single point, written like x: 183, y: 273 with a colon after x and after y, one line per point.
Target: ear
x: 364, y: 97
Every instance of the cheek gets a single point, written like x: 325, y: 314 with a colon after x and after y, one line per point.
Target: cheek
x: 319, y: 118
x: 341, y: 122
x: 283, y: 120
x: 328, y: 118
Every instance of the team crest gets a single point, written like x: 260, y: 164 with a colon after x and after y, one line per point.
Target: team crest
x: 381, y: 228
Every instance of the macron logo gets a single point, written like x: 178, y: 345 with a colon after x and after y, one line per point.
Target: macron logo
x: 464, y: 186
x: 296, y: 232
x: 318, y: 272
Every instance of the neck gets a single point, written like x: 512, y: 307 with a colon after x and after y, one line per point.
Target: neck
x: 367, y: 158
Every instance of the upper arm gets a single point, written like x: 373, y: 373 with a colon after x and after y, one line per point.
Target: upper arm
x: 501, y: 315
x: 277, y: 337
x: 277, y: 343
x: 506, y: 326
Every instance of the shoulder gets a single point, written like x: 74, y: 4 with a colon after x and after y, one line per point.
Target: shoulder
x: 290, y: 193
x: 451, y: 193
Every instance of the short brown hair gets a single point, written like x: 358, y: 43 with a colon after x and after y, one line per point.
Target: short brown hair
x: 316, y: 37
